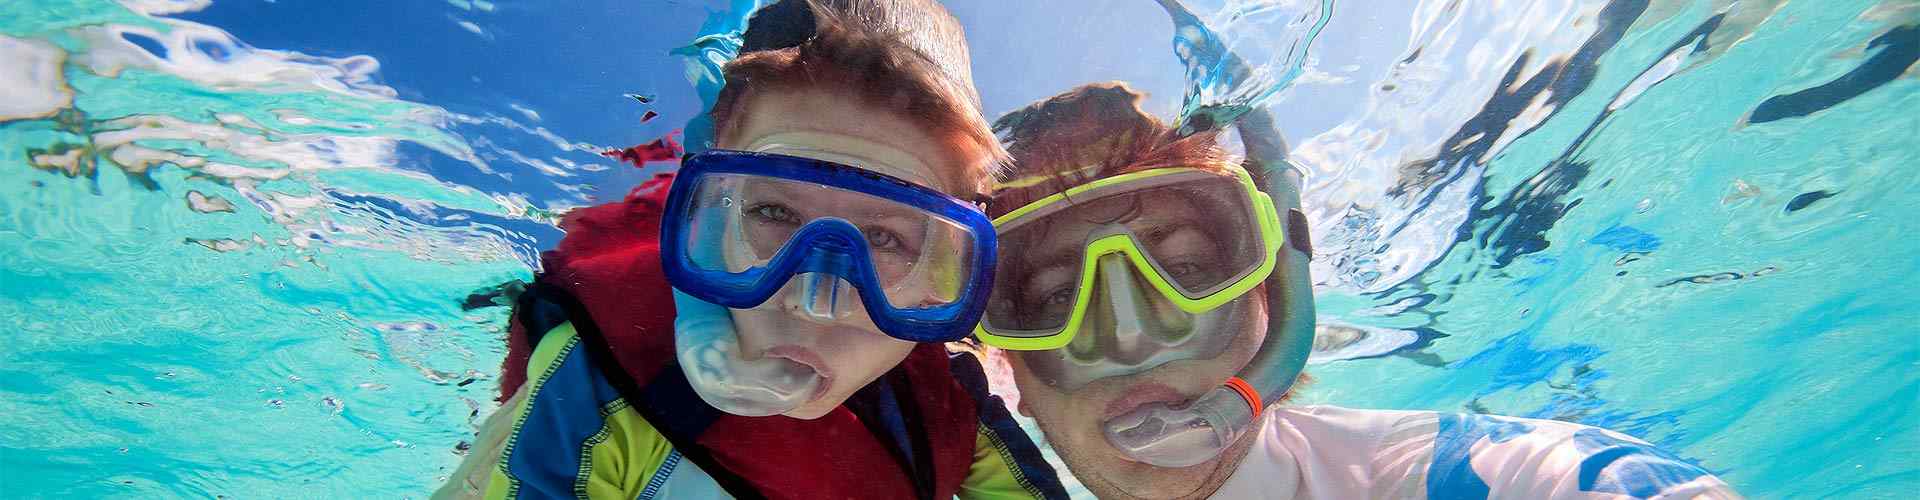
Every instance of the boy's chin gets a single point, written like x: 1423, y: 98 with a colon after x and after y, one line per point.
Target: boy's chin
x: 813, y: 409
x: 823, y: 402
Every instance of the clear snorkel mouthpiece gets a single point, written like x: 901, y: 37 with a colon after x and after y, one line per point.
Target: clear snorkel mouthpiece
x: 1164, y: 436
x: 709, y: 354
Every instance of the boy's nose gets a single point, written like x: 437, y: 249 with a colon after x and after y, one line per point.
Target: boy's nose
x: 820, y: 297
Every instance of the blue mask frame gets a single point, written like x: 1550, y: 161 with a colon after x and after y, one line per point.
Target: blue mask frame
x: 826, y: 246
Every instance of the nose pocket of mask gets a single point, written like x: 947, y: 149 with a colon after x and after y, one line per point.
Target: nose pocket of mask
x: 822, y: 297
x: 1124, y: 302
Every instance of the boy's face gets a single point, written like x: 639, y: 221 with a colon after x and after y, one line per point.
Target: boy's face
x: 848, y: 352
x: 1073, y: 421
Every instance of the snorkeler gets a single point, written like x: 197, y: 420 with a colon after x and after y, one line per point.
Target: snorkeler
x: 1154, y: 302
x: 770, y: 320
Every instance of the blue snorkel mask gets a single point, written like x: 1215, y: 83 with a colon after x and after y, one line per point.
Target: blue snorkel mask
x: 741, y: 229
x: 738, y: 225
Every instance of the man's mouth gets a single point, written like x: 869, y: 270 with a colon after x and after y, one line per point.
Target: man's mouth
x: 1141, y: 395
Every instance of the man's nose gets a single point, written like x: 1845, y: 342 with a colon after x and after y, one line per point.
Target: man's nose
x: 1130, y: 320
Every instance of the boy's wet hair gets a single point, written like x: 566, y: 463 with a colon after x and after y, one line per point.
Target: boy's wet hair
x: 909, y: 56
x: 1091, y: 132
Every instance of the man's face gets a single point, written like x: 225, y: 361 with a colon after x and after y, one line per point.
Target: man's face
x: 1073, y: 421
x: 846, y: 352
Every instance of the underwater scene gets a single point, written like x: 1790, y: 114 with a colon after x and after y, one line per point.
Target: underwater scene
x: 259, y: 248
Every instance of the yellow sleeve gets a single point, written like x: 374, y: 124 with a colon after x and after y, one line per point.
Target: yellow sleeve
x: 625, y: 455
x: 993, y: 475
x: 618, y: 460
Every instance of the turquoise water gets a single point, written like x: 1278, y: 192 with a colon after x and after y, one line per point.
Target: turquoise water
x: 238, y: 238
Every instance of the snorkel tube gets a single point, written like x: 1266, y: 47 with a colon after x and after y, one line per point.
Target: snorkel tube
x: 1168, y: 436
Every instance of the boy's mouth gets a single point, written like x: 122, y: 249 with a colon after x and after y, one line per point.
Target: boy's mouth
x: 806, y: 357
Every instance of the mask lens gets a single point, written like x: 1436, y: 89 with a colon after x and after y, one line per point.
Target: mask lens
x: 741, y: 222
x: 1199, y: 232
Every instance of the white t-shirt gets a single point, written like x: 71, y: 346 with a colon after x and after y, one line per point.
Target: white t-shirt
x: 1339, y: 453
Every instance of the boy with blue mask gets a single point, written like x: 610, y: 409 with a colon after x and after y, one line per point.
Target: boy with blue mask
x: 769, y: 321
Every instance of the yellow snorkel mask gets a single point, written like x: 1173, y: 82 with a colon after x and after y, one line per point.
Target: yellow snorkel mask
x: 1200, y: 239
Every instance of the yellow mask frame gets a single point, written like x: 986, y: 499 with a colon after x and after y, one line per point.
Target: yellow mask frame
x: 1271, y: 238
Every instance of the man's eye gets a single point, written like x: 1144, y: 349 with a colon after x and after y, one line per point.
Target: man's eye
x: 1060, y: 296
x: 1182, y: 269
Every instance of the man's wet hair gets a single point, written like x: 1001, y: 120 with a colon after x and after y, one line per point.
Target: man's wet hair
x: 1091, y: 132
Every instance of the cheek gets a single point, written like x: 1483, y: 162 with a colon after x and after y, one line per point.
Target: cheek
x: 857, y: 359
x: 1054, y: 409
x: 759, y: 331
x: 1253, y: 332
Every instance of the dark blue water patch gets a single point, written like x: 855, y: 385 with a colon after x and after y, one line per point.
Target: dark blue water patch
x: 1899, y: 48
x: 1626, y: 239
x: 1561, y: 80
x: 571, y: 62
x: 1424, y: 339
x: 218, y: 50
x: 146, y: 43
x: 1516, y: 223
x: 1525, y: 284
x: 1806, y: 199
x: 1518, y: 364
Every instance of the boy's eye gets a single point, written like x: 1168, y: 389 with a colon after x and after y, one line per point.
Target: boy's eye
x: 772, y: 212
x: 882, y: 239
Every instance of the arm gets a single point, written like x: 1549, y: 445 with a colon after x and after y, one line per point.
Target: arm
x: 1529, y: 458
x: 994, y: 475
x: 565, y: 433
x: 1006, y: 463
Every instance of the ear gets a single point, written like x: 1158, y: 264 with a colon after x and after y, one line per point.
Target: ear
x: 1025, y: 410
